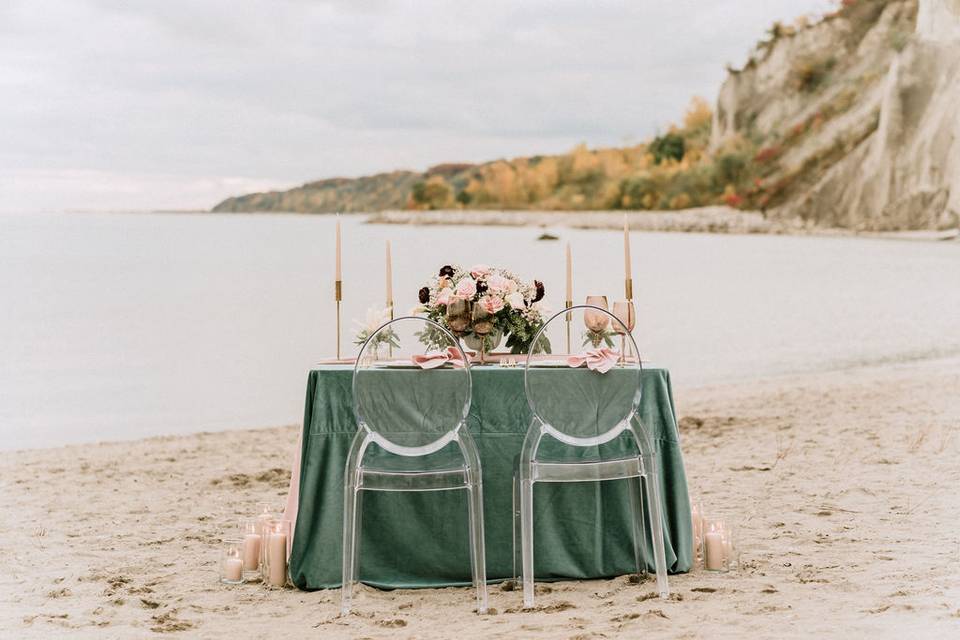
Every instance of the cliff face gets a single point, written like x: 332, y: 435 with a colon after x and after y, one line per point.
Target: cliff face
x: 890, y: 159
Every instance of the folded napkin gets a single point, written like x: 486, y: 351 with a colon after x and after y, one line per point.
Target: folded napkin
x: 600, y: 360
x: 434, y: 359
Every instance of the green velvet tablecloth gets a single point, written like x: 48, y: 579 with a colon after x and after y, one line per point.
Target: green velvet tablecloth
x: 420, y: 539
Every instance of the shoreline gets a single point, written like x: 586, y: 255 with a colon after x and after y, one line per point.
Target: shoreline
x: 711, y: 219
x: 841, y: 484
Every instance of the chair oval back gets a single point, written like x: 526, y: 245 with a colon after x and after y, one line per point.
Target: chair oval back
x: 592, y: 402
x: 408, y: 408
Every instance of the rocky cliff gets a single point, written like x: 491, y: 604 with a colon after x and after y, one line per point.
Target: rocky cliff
x: 886, y: 152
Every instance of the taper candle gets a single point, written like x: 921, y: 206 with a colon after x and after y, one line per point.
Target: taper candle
x: 338, y: 274
x: 569, y: 275
x: 389, y: 278
x: 627, y: 270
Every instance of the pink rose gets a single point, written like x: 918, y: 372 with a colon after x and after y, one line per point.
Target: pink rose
x: 444, y: 296
x: 491, y: 304
x: 478, y: 270
x: 497, y: 283
x: 467, y: 288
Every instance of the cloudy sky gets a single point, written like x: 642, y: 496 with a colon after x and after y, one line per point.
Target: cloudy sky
x: 124, y: 104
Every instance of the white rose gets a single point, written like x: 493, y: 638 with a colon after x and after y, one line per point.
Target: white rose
x: 515, y: 300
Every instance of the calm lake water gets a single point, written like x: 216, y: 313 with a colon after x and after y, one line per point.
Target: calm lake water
x: 125, y: 326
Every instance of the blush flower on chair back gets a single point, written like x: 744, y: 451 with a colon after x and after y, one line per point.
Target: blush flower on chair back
x: 411, y: 415
x: 587, y: 431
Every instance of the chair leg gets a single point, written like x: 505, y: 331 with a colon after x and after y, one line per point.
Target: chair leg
x: 477, y: 554
x: 351, y: 531
x: 639, y: 530
x: 656, y: 525
x: 526, y: 539
x: 516, y: 529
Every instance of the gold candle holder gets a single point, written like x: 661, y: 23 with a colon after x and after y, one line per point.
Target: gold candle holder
x: 390, y: 346
x: 628, y: 288
x: 338, y: 293
x: 569, y: 320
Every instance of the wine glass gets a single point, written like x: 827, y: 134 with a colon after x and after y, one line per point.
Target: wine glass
x: 624, y: 312
x: 595, y: 321
x: 482, y: 327
x: 459, y: 315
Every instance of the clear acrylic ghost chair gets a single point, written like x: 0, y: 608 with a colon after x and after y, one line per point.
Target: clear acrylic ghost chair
x: 572, y: 423
x: 411, y: 435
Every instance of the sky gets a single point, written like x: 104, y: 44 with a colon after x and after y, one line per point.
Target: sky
x: 142, y: 105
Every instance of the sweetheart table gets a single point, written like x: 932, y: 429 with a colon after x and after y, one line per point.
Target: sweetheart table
x: 420, y: 539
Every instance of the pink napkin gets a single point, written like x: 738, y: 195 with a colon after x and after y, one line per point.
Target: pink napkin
x: 434, y: 359
x: 600, y: 360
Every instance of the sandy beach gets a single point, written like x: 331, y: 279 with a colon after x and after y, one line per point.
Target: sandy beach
x: 844, y: 485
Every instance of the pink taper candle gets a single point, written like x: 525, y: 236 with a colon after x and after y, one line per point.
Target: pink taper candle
x: 389, y: 277
x: 626, y: 249
x: 338, y: 275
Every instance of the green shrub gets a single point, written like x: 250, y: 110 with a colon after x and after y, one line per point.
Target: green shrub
x: 634, y: 192
x: 671, y: 145
x: 808, y: 73
x: 730, y: 168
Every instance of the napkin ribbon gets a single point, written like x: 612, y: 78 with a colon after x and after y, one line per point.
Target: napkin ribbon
x: 599, y: 360
x: 434, y: 359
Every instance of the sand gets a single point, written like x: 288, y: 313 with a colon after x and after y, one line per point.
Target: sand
x: 845, y: 485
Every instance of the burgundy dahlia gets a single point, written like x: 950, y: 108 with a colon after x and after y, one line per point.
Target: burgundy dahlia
x: 446, y: 270
x: 424, y: 295
x: 539, y: 287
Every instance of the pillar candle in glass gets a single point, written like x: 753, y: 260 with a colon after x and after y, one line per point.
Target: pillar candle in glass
x: 250, y: 532
x: 714, y: 548
x: 277, y: 540
x: 231, y: 562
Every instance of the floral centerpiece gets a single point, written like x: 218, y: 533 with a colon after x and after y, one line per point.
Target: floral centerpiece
x: 507, y: 306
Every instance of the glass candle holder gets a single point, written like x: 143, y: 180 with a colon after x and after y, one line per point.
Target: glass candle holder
x: 252, y: 542
x: 231, y: 562
x: 731, y: 545
x: 277, y: 541
x: 265, y: 513
x: 696, y: 517
x: 714, y: 546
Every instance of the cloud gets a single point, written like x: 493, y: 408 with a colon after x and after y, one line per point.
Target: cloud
x: 175, y: 94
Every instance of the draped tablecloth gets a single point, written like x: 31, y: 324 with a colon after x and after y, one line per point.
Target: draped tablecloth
x: 420, y: 539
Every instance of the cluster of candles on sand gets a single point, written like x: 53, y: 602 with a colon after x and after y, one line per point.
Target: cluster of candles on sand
x: 260, y: 551
x: 714, y: 542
